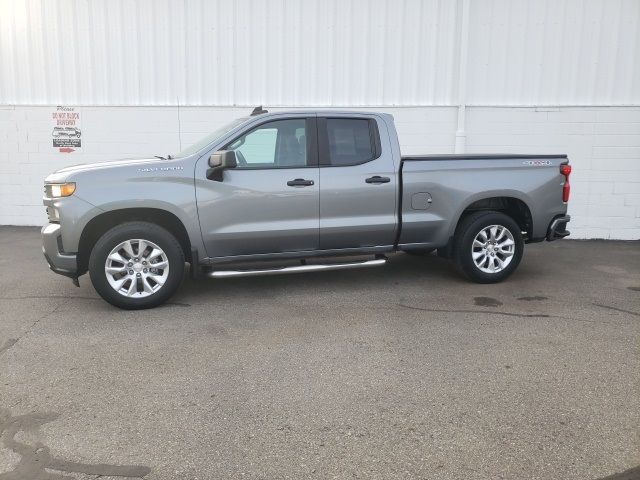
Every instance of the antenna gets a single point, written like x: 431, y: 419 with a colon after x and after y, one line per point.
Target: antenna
x: 258, y: 111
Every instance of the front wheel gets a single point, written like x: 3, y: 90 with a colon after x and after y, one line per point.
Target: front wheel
x: 488, y: 246
x: 136, y: 265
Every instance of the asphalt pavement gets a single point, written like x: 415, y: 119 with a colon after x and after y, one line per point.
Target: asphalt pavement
x: 400, y: 372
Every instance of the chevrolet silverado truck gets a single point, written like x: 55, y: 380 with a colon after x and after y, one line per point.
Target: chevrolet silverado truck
x: 291, y: 192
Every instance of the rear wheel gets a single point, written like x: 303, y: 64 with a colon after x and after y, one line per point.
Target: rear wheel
x: 136, y: 265
x: 488, y: 246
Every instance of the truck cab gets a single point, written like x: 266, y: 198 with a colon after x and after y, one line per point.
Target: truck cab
x: 302, y: 182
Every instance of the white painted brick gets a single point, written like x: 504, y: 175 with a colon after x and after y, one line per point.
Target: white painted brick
x: 609, y: 175
x: 627, y: 187
x: 624, y: 233
x: 608, y: 200
x: 603, y: 145
x: 616, y: 140
x: 618, y: 115
x: 426, y: 128
x: 500, y: 115
x: 577, y: 209
x: 211, y: 115
x: 632, y: 199
x: 419, y: 115
x: 37, y: 113
x: 601, y: 187
x: 589, y: 232
x: 617, y: 152
x: 571, y: 115
x: 616, y: 128
x: 611, y: 212
x: 9, y: 147
x: 544, y: 141
x: 508, y: 128
x: 8, y: 114
x: 632, y: 164
x: 202, y: 128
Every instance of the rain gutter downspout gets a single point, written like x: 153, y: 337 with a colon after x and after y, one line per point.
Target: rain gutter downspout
x: 463, y: 48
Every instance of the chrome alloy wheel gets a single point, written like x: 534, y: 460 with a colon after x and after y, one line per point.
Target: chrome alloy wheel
x: 136, y: 268
x: 493, y: 248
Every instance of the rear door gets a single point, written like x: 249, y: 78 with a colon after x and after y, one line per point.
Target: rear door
x: 358, y: 183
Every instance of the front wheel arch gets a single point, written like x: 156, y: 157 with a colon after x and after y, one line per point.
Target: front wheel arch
x: 100, y: 224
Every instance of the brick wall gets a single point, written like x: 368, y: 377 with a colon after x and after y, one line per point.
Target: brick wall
x: 603, y: 144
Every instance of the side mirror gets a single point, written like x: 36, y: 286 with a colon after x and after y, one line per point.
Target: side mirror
x: 219, y: 162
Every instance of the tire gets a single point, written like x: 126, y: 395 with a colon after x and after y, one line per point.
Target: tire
x: 153, y: 285
x: 507, y: 248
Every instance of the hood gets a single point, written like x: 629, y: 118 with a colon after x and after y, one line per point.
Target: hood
x: 66, y: 173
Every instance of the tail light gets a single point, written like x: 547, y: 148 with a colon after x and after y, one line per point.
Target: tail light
x: 566, y: 188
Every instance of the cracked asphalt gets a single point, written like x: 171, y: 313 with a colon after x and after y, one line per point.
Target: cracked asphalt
x: 405, y: 371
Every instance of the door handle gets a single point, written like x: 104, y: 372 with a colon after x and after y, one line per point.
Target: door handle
x: 378, y: 179
x: 300, y: 182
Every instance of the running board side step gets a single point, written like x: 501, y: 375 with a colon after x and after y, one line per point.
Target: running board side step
x: 297, y: 269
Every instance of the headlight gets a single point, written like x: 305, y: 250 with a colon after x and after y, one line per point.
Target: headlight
x: 57, y: 190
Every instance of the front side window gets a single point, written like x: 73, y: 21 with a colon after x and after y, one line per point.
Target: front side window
x: 350, y: 141
x: 277, y: 144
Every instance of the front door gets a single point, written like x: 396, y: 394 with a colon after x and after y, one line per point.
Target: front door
x: 269, y: 203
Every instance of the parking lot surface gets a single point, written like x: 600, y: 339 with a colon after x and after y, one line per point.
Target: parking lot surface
x: 405, y: 371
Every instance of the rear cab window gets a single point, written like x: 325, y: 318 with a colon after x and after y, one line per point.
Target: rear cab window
x: 349, y: 141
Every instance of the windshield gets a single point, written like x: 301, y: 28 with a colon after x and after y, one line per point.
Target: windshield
x: 212, y: 137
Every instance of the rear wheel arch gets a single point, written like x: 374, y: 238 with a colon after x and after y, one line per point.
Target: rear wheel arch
x: 100, y: 224
x: 514, y: 207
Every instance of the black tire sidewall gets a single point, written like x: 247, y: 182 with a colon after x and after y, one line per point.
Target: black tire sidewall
x: 127, y: 231
x: 468, y: 230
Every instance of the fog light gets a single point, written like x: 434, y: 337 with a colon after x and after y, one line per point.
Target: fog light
x: 53, y: 215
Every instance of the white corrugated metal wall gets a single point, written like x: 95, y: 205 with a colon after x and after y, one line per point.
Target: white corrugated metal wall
x: 531, y: 76
x: 554, y: 52
x: 330, y: 52
x: 198, y: 52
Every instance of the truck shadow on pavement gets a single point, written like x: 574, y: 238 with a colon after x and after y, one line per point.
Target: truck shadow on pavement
x: 631, y: 474
x: 36, y: 459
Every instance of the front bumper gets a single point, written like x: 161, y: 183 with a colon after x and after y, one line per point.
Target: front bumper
x: 558, y: 228
x: 60, y: 262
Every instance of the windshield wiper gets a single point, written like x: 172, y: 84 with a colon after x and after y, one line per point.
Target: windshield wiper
x: 161, y: 158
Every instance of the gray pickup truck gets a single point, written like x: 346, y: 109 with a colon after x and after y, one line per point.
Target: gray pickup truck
x: 294, y: 192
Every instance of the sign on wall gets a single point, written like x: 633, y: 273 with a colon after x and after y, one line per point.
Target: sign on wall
x: 66, y: 133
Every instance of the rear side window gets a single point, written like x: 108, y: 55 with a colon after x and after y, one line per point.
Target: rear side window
x: 351, y: 141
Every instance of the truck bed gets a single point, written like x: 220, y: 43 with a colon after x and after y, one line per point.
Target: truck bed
x: 437, y: 188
